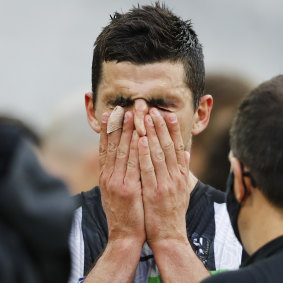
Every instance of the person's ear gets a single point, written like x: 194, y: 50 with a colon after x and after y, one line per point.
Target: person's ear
x: 239, y: 189
x: 91, y: 113
x: 202, y: 114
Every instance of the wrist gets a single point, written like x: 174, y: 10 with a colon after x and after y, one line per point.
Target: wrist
x: 169, y: 244
x: 126, y: 244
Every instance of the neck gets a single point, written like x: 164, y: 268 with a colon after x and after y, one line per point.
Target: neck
x: 264, y: 222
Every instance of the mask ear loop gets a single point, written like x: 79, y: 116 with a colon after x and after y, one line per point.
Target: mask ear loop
x: 247, y: 174
x: 243, y: 174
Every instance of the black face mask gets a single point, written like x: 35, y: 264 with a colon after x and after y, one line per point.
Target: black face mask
x: 233, y: 206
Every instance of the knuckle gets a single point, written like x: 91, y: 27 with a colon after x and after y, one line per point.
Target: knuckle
x: 183, y: 170
x: 113, y: 183
x: 125, y: 193
x: 131, y: 164
x: 149, y: 170
x: 112, y: 147
x: 102, y: 149
x: 168, y: 146
x: 121, y: 153
x: 159, y: 156
x: 157, y: 194
x: 179, y: 182
x: 102, y: 156
x: 145, y: 155
x: 180, y: 147
x: 101, y: 161
x: 161, y: 124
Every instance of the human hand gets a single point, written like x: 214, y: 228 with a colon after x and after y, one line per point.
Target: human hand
x: 165, y: 179
x: 120, y: 181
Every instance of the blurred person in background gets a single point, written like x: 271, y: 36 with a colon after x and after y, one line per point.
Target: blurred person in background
x: 27, y: 131
x: 255, y: 185
x: 70, y: 148
x: 211, y: 147
x: 36, y: 212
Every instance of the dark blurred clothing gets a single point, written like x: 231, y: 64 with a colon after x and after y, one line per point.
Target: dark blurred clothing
x: 264, y: 266
x: 35, y: 215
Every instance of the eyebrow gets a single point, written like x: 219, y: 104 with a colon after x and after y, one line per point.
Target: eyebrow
x: 127, y: 101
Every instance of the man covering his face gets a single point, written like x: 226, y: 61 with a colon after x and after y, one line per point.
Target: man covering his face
x: 150, y: 218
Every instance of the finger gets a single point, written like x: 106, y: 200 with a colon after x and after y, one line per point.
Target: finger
x: 165, y: 140
x: 124, y: 146
x: 103, y: 141
x: 133, y: 168
x: 141, y: 110
x: 175, y: 133
x: 146, y: 167
x: 156, y: 152
x: 112, y: 146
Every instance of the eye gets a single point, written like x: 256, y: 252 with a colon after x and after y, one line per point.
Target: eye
x: 123, y: 104
x: 165, y: 108
x: 162, y: 108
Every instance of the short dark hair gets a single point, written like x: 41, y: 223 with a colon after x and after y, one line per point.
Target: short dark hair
x: 150, y: 34
x: 256, y: 137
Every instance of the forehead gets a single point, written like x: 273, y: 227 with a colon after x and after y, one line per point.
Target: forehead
x: 162, y: 79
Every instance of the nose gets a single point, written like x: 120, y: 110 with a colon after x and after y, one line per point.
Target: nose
x: 140, y: 110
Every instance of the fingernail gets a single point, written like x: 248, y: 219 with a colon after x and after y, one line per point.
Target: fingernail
x: 135, y: 135
x: 104, y: 118
x: 140, y: 105
x: 126, y: 117
x: 155, y: 112
x: 149, y: 120
x: 172, y: 118
x: 144, y: 141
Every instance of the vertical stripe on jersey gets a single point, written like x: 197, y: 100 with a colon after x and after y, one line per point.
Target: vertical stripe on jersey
x: 227, y: 249
x: 76, y: 243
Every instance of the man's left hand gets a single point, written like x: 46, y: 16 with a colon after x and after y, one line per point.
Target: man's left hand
x: 165, y: 179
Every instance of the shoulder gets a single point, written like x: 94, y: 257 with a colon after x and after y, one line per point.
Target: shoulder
x: 208, y: 193
x: 90, y: 197
x: 236, y: 276
x: 89, y: 210
x: 209, y: 228
x: 89, y: 231
x: 205, y: 202
x: 267, y: 270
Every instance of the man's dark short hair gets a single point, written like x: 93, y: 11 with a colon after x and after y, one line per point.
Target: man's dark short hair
x: 150, y: 34
x: 257, y: 137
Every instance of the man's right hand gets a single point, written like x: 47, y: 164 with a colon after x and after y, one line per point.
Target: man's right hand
x: 120, y: 182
